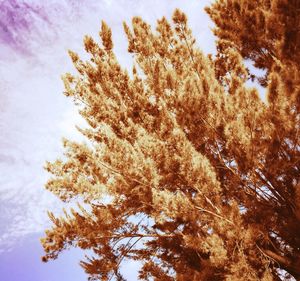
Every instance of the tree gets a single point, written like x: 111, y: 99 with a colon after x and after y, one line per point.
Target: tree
x: 185, y: 168
x: 267, y: 32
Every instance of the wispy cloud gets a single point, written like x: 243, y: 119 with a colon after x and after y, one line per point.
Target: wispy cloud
x: 26, y: 24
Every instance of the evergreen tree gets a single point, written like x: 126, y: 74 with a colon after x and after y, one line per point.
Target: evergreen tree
x: 185, y: 168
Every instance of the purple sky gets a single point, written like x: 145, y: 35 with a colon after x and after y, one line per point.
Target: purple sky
x: 23, y: 263
x: 34, y: 114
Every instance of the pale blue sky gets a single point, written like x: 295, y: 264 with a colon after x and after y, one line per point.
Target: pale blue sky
x: 34, y: 116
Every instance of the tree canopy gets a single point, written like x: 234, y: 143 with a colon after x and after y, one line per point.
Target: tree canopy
x: 185, y: 168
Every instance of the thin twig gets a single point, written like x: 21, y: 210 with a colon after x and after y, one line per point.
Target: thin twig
x: 214, y: 214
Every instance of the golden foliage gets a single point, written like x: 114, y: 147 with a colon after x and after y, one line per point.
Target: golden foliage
x: 186, y: 169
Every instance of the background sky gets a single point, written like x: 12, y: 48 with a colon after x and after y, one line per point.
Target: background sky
x: 34, y: 114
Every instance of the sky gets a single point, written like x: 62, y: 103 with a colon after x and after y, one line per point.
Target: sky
x: 34, y: 114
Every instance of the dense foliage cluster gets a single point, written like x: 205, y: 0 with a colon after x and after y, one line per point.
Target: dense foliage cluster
x: 185, y: 168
